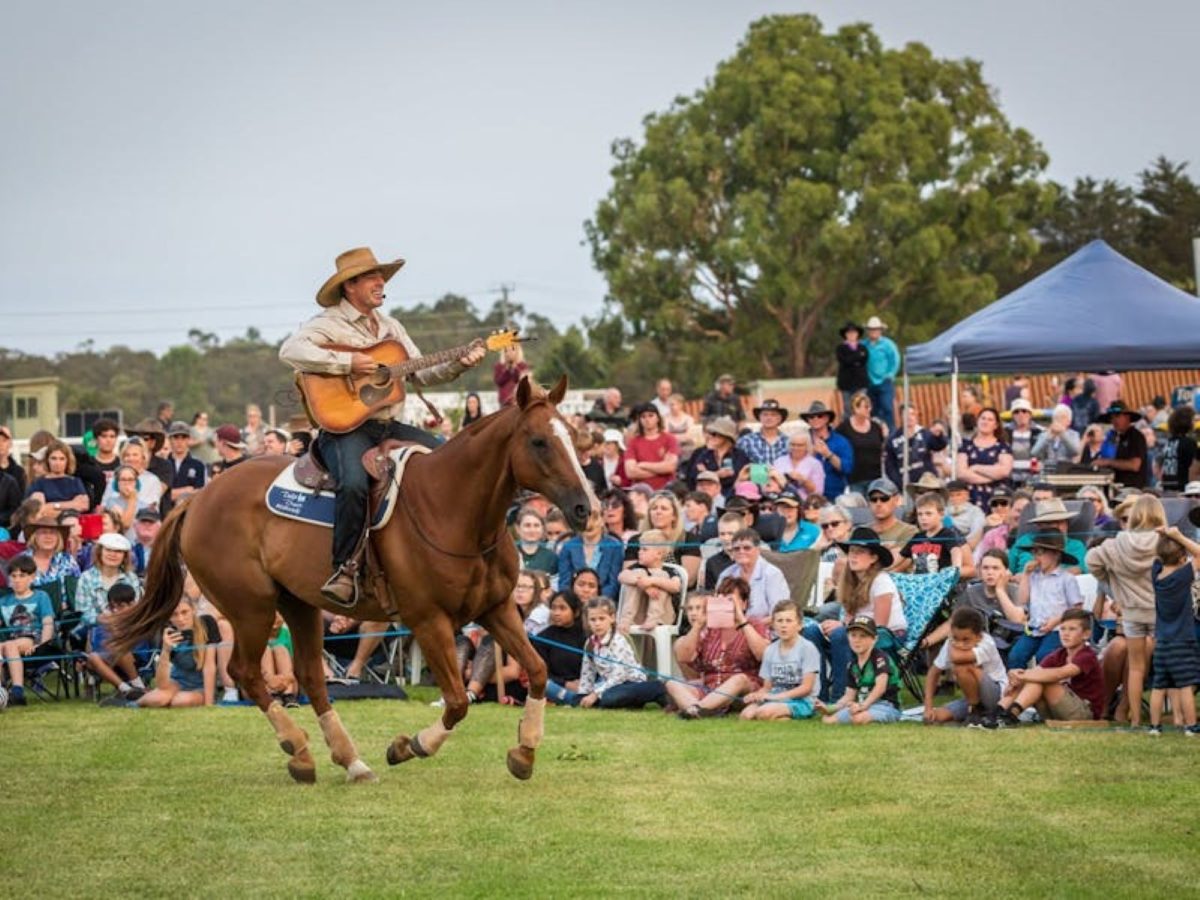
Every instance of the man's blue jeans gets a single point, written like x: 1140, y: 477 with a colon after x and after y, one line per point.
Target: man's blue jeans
x: 342, y: 455
x: 882, y: 402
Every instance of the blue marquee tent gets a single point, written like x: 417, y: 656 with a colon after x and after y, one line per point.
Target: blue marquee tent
x: 1094, y: 310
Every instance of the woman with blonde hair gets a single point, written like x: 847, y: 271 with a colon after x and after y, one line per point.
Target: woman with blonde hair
x: 148, y: 486
x: 665, y: 514
x: 677, y: 420
x: 1123, y: 562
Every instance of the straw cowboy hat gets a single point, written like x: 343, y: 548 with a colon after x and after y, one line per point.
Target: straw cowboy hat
x: 722, y: 426
x: 928, y: 483
x: 1053, y: 510
x: 351, y: 264
x: 876, y: 322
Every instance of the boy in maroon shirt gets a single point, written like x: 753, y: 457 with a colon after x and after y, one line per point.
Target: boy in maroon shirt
x: 1068, y: 684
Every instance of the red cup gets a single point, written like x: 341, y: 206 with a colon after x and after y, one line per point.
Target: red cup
x: 91, y: 526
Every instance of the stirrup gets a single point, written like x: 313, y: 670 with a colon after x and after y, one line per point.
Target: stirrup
x: 337, y: 579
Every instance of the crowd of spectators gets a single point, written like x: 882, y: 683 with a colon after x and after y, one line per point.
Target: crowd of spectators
x: 703, y: 508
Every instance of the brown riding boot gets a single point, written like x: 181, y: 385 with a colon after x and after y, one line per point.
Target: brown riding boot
x: 342, y: 586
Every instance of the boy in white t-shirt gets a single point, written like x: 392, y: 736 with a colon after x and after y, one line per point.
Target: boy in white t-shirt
x: 790, y: 671
x: 972, y: 655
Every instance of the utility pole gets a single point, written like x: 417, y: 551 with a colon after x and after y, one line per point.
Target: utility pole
x: 504, y: 291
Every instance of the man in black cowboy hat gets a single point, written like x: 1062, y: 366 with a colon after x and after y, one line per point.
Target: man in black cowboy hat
x: 852, y: 364
x: 769, y: 444
x: 351, y: 299
x: 1130, y: 466
x: 834, y: 451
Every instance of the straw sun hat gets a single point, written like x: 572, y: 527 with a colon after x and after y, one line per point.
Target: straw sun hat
x: 351, y: 264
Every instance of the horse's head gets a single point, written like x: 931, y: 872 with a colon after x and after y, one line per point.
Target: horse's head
x: 543, y: 453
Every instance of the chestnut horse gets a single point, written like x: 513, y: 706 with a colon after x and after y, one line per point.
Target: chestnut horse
x: 446, y: 554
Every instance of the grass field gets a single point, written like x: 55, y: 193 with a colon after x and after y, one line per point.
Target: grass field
x: 101, y: 802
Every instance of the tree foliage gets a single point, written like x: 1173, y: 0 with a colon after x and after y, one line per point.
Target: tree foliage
x: 816, y: 177
x: 1153, y: 223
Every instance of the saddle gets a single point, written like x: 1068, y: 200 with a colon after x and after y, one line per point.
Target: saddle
x: 310, y: 470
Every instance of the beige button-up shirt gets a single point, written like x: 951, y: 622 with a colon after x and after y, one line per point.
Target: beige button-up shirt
x: 305, y: 351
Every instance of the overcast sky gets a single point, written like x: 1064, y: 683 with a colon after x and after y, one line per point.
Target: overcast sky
x: 167, y: 165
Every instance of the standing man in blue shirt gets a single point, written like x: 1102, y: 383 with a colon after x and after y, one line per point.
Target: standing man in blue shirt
x: 883, y: 363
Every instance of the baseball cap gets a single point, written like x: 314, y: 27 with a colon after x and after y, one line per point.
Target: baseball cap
x: 179, y: 428
x: 114, y: 541
x: 865, y: 624
x: 1021, y: 403
x: 148, y: 515
x: 957, y: 485
x: 713, y: 476
x: 1192, y: 489
x: 883, y: 486
x: 230, y: 435
x: 613, y: 436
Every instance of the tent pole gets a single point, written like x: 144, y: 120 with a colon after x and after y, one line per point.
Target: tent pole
x: 954, y: 419
x: 904, y: 431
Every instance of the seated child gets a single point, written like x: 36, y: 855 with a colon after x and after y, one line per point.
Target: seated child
x: 27, y: 617
x: 790, y: 671
x: 121, y: 596
x: 978, y: 669
x: 1176, y: 652
x: 936, y: 546
x: 559, y: 645
x: 872, y: 681
x: 278, y: 671
x: 1045, y: 592
x: 647, y: 603
x: 610, y: 676
x: 726, y: 654
x: 992, y: 597
x: 1066, y: 685
x: 187, y: 666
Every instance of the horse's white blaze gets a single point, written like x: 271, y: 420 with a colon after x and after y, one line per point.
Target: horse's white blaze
x: 564, y: 434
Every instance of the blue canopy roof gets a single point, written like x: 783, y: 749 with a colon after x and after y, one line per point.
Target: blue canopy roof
x: 1094, y: 310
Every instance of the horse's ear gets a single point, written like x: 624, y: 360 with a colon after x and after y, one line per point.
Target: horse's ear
x: 524, y: 391
x: 559, y: 391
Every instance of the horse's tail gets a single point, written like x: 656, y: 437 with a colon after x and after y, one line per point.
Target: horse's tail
x: 164, y: 586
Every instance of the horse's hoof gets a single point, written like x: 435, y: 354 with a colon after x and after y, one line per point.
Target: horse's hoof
x: 302, y: 773
x: 400, y: 750
x: 358, y: 772
x: 520, y: 763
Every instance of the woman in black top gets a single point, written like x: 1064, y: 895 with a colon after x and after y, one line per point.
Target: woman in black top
x: 868, y: 437
x: 852, y: 365
x: 565, y: 629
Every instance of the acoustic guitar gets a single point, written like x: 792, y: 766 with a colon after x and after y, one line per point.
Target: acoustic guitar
x: 340, y: 403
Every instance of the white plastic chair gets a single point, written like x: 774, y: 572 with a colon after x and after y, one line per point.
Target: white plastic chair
x: 663, y: 636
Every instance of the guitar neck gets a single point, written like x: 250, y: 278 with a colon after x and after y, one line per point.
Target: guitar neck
x: 406, y: 368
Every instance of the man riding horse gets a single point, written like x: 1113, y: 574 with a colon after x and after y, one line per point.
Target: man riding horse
x: 352, y: 319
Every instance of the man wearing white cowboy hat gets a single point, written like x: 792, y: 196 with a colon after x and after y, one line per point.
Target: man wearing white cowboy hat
x: 883, y: 362
x: 770, y: 443
x: 351, y: 317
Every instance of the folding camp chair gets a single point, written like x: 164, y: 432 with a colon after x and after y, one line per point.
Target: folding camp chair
x: 801, y: 570
x: 926, y: 600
